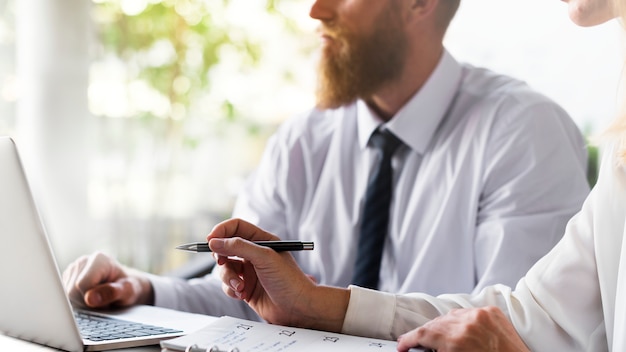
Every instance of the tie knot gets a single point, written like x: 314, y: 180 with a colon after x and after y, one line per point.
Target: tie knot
x: 385, y: 141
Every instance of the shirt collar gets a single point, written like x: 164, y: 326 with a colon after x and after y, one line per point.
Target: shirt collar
x: 416, y: 122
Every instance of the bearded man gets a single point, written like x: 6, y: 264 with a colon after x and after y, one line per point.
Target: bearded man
x: 483, y: 177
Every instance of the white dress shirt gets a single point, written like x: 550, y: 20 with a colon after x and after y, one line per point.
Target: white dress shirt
x: 573, y: 299
x: 488, y: 177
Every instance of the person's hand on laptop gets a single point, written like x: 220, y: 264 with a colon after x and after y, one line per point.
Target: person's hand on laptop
x: 271, y: 282
x: 98, y: 281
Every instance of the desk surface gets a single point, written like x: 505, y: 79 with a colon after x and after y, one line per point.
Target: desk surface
x: 8, y: 343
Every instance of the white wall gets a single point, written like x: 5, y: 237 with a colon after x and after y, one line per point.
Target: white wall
x: 534, y: 40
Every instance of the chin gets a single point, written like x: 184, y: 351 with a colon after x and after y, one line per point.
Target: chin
x: 583, y: 19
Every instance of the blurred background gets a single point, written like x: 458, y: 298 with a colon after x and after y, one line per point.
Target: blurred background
x: 138, y: 120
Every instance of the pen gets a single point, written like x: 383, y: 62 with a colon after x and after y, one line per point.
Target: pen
x: 278, y: 246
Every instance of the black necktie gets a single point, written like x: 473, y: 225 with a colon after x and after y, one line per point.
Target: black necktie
x: 375, y: 218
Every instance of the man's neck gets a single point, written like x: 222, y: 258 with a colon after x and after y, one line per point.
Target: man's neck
x: 388, y: 100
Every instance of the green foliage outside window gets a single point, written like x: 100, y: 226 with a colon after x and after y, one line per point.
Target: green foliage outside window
x: 172, y: 45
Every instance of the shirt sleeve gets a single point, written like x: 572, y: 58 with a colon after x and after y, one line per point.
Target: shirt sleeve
x: 261, y: 200
x: 370, y: 313
x: 273, y: 195
x: 201, y: 295
x: 534, y: 181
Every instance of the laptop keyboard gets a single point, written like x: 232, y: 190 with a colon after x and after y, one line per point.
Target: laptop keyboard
x: 99, y: 328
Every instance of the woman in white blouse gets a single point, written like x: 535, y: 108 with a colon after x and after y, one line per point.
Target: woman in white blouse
x: 573, y: 299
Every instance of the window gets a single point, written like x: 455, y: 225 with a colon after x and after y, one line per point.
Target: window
x: 8, y: 80
x: 534, y: 40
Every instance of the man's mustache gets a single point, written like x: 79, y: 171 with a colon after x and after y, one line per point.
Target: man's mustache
x: 330, y: 31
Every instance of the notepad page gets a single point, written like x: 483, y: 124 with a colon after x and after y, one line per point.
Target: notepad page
x: 250, y: 336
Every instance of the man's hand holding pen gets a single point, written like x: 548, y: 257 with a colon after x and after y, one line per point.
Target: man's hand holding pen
x: 271, y: 282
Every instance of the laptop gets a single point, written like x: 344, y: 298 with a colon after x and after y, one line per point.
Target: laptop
x: 33, y: 304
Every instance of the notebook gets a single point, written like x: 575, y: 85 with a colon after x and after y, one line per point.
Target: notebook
x: 234, y: 334
x: 33, y: 304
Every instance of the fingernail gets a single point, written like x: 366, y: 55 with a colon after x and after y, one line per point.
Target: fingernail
x: 234, y: 283
x: 94, y: 299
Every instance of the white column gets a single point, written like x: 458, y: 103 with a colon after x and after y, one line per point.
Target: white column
x: 52, y: 40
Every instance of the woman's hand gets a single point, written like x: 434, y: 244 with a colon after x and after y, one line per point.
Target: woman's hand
x: 469, y: 330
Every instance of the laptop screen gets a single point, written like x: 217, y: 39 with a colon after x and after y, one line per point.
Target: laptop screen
x: 32, y: 301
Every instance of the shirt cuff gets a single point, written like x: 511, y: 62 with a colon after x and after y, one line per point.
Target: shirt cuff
x: 370, y: 313
x: 164, y: 291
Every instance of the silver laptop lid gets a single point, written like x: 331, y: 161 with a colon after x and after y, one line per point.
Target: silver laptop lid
x: 32, y: 300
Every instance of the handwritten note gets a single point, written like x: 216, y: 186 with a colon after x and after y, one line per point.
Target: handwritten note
x: 249, y: 336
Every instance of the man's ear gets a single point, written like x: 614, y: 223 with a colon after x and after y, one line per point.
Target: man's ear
x: 420, y: 9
